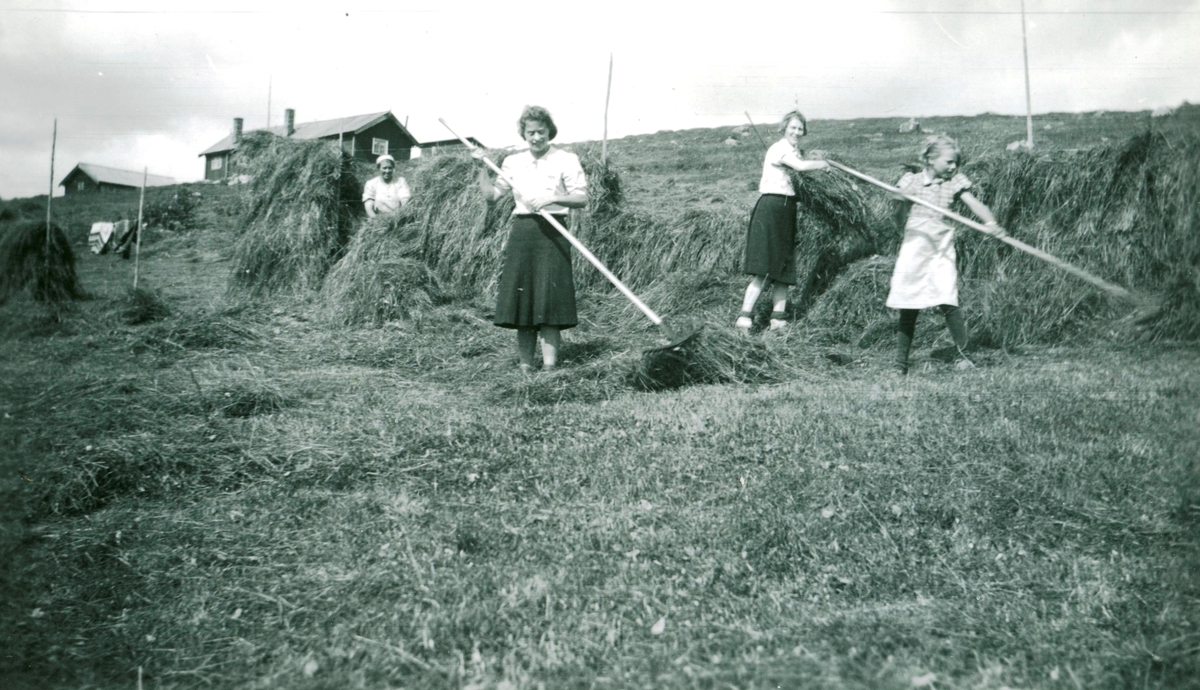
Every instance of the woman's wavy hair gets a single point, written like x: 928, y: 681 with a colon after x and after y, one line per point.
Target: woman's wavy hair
x: 536, y: 113
x: 794, y: 115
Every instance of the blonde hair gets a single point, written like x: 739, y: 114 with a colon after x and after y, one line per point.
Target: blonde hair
x: 934, y: 145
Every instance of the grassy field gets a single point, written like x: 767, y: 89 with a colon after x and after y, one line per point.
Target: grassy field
x: 215, y: 491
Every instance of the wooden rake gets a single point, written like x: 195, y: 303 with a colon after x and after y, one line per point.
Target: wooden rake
x: 674, y: 336
x: 1141, y: 301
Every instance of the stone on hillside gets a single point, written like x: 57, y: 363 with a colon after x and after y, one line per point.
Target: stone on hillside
x: 911, y: 126
x: 1017, y: 145
x: 732, y: 142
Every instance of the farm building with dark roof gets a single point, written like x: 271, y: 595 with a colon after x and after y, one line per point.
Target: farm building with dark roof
x: 88, y: 177
x: 363, y: 136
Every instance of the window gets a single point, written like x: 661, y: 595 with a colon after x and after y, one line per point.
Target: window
x: 81, y: 185
x: 217, y: 162
x: 379, y: 147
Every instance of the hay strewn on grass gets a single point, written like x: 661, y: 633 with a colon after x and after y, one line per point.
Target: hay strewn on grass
x: 302, y: 202
x: 47, y: 269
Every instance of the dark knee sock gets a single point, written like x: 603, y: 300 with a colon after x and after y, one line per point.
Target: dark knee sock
x: 958, y: 327
x: 904, y: 336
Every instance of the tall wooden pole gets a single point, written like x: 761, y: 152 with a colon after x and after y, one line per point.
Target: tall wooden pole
x: 269, y: 79
x: 137, y: 246
x: 50, y: 196
x: 607, y: 95
x: 1028, y: 100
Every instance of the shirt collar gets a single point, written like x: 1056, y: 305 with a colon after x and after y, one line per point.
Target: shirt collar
x: 928, y: 181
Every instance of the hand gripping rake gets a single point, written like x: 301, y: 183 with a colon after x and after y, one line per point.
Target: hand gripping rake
x: 674, y: 337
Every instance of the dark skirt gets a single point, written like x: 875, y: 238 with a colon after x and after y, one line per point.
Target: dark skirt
x: 771, y: 239
x: 536, y: 287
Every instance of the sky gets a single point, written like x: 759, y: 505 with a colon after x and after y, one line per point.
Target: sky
x: 146, y: 83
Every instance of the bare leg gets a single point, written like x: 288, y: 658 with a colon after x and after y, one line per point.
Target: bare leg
x: 551, y: 341
x: 753, y: 290
x: 526, y: 339
x: 779, y: 293
x: 779, y: 304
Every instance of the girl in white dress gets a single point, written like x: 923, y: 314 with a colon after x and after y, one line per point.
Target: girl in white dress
x: 926, y: 273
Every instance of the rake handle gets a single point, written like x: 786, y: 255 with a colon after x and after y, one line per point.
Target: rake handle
x: 579, y: 246
x: 1099, y: 282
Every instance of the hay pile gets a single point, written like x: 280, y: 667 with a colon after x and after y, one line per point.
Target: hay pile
x: 301, y: 204
x: 383, y: 275
x: 47, y: 269
x: 836, y: 226
x: 718, y: 355
x: 1129, y: 212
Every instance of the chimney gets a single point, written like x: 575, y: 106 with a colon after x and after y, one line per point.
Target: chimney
x: 289, y: 121
x: 237, y: 129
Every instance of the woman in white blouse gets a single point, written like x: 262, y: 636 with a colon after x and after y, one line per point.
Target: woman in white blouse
x: 387, y: 192
x: 771, y: 237
x: 536, y: 295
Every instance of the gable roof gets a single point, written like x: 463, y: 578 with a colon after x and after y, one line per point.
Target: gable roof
x: 449, y: 142
x: 317, y: 130
x: 107, y: 175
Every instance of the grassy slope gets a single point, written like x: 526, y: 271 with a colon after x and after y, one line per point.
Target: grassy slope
x: 232, y: 497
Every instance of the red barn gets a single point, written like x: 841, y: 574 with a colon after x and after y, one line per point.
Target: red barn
x: 88, y: 177
x: 363, y: 136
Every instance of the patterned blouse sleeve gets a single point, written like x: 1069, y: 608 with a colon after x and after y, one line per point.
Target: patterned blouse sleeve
x: 906, y: 180
x: 369, y: 190
x: 961, y: 183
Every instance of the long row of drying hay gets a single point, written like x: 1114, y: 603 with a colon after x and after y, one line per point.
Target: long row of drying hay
x: 1128, y: 212
x: 448, y: 242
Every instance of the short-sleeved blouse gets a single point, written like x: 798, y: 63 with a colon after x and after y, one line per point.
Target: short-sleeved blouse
x: 388, y: 196
x: 557, y: 172
x: 939, y: 192
x: 776, y: 175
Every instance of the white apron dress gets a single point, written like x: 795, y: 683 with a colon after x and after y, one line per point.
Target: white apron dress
x: 926, y: 273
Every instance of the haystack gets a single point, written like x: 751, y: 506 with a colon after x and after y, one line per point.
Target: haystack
x: 383, y: 275
x: 46, y: 268
x: 836, y: 226
x: 1129, y: 212
x: 852, y: 309
x: 301, y: 204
